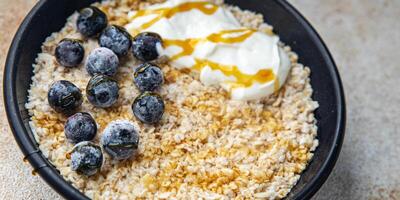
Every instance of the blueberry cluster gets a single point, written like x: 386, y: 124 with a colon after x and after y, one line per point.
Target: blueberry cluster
x: 120, y: 139
x: 86, y: 157
x: 148, y: 107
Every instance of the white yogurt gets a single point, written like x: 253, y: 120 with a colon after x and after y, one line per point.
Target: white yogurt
x: 255, y: 51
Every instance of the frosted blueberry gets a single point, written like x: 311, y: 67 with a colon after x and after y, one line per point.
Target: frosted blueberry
x: 86, y: 158
x: 102, y: 61
x: 148, y: 107
x: 102, y: 91
x: 117, y: 39
x: 80, y: 127
x: 91, y: 21
x: 148, y: 77
x: 69, y: 52
x: 120, y: 139
x: 64, y: 97
x: 145, y: 45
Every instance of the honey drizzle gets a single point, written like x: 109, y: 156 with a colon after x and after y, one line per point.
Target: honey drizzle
x: 205, y: 7
x: 242, y: 79
x: 188, y: 45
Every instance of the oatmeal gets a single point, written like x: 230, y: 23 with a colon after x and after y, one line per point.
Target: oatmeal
x: 206, y: 145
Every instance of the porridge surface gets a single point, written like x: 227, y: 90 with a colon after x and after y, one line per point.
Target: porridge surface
x: 206, y: 145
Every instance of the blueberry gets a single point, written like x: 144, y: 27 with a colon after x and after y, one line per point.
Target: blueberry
x: 69, y: 52
x: 117, y: 39
x: 80, y: 127
x: 86, y: 158
x: 63, y: 96
x: 102, y: 91
x: 148, y: 107
x: 120, y: 139
x: 91, y: 21
x: 145, y: 45
x: 102, y: 61
x: 148, y: 77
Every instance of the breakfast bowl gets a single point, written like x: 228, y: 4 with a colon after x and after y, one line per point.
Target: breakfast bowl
x: 50, y: 16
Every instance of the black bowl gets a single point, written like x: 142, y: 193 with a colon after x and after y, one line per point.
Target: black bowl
x: 49, y: 16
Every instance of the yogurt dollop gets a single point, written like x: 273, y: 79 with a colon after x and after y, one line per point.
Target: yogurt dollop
x: 202, y: 36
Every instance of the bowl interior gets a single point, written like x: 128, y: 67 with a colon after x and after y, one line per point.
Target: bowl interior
x: 50, y: 16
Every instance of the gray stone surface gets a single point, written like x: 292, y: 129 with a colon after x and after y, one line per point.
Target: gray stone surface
x: 364, y: 38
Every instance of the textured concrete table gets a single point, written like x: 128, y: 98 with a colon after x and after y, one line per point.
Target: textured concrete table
x: 364, y: 37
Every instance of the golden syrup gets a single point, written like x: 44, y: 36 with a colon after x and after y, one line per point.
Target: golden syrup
x: 188, y: 45
x: 205, y: 7
x: 242, y: 79
x: 227, y: 38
